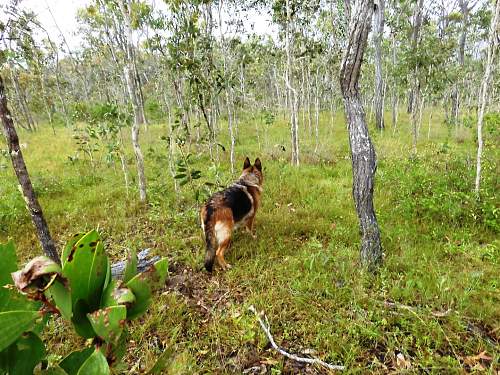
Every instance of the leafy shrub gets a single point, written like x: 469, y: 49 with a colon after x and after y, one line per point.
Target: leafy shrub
x: 94, y: 113
x: 439, y: 190
x: 153, y: 110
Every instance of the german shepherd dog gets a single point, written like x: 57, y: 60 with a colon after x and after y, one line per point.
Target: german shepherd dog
x: 228, y: 209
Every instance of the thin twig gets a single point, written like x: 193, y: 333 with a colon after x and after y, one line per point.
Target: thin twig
x: 311, y: 361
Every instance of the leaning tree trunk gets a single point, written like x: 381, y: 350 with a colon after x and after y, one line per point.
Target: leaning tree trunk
x: 379, y: 80
x: 492, y: 49
x: 23, y: 177
x: 364, y: 162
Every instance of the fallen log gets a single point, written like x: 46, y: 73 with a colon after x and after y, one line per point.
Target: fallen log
x: 144, y: 261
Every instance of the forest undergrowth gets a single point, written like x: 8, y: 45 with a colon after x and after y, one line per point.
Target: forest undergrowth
x: 434, y: 307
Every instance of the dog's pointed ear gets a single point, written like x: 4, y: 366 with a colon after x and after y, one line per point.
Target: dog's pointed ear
x: 247, y: 163
x: 258, y: 164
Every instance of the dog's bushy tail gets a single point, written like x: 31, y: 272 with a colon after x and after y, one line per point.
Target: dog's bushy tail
x: 210, y: 240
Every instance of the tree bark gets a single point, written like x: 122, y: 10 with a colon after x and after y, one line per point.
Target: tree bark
x: 363, y: 155
x: 130, y: 79
x: 492, y: 49
x: 415, y: 37
x: 379, y: 80
x: 292, y: 93
x: 455, y: 98
x: 23, y: 177
x: 317, y: 105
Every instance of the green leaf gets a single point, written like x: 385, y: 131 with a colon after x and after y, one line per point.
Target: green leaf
x: 195, y: 175
x: 116, y: 294
x: 86, y: 269
x: 119, y: 349
x: 131, y: 267
x: 109, y: 276
x: 13, y: 300
x: 96, y: 364
x: 80, y: 321
x: 108, y: 322
x: 72, y: 363
x: 13, y: 324
x: 8, y: 263
x: 61, y: 297
x: 21, y: 357
x: 143, y: 284
x: 70, y: 246
x: 179, y: 176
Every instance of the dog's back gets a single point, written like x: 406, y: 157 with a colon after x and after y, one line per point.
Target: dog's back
x: 228, y: 209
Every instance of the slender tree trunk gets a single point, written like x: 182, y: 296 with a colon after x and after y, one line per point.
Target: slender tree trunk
x: 23, y: 177
x: 430, y: 123
x: 228, y: 89
x: 317, y: 104
x: 363, y: 155
x: 379, y: 80
x: 302, y: 100
x: 292, y: 93
x: 395, y: 96
x: 130, y: 79
x: 415, y: 37
x: 492, y: 50
x: 30, y: 123
x: 59, y: 89
x: 415, y: 95
x: 124, y: 170
x: 308, y: 88
x: 455, y: 98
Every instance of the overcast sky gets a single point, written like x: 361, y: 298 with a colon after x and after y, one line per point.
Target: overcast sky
x: 64, y: 12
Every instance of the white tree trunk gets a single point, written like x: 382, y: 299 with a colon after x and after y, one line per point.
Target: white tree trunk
x: 379, y: 80
x: 130, y: 80
x: 492, y: 49
x: 292, y: 93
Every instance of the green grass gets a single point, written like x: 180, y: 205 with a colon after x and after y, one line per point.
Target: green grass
x: 441, y: 250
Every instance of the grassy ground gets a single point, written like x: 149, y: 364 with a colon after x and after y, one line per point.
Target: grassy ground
x: 434, y: 306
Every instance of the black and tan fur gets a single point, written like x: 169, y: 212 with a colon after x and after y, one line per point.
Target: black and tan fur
x: 228, y: 209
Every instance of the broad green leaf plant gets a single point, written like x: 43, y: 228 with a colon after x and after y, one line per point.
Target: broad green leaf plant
x: 80, y: 290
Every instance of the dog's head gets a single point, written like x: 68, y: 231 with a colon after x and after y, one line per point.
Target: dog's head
x: 252, y: 173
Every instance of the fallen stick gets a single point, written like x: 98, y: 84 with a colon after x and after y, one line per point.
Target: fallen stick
x: 311, y: 361
x: 143, y: 263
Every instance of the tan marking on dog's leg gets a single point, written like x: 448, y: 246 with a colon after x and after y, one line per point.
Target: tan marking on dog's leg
x: 223, y: 232
x: 220, y: 254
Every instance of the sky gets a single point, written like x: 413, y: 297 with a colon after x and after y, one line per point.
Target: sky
x: 64, y: 12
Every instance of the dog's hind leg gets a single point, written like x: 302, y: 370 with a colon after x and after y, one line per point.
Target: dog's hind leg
x: 223, y: 230
x: 249, y: 226
x: 220, y: 254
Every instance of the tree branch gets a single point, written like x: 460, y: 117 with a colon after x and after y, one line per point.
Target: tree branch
x: 311, y: 361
